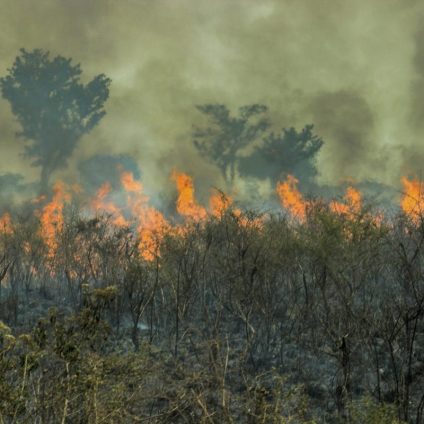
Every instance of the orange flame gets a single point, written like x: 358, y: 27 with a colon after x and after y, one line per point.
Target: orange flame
x: 151, y: 230
x: 130, y: 184
x: 6, y: 226
x: 186, y: 202
x: 152, y: 225
x: 219, y: 202
x: 244, y: 221
x: 100, y: 204
x: 136, y: 199
x: 291, y: 199
x: 352, y: 205
x: 52, y: 218
x: 412, y: 202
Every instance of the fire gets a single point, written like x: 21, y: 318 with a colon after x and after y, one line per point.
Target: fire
x: 219, y: 202
x: 151, y: 230
x: 136, y: 199
x: 412, y: 202
x: 100, y: 204
x: 152, y: 225
x: 6, y: 226
x: 244, y: 221
x: 130, y: 184
x: 52, y: 218
x: 354, y: 198
x: 186, y: 202
x: 352, y: 205
x: 291, y: 199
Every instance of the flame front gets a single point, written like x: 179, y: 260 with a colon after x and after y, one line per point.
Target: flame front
x: 219, y: 202
x: 291, y: 199
x: 52, y: 218
x: 352, y: 205
x: 130, y: 184
x: 412, y: 202
x: 186, y: 202
x: 152, y: 226
x: 99, y: 203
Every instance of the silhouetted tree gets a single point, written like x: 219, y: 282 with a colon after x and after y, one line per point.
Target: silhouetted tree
x: 290, y: 152
x: 52, y: 106
x: 222, y: 141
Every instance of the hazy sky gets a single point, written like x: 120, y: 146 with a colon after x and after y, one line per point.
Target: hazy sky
x: 355, y: 69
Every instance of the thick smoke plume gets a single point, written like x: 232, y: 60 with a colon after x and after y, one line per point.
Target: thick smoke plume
x: 353, y: 69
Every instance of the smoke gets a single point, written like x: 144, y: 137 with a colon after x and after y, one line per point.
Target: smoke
x: 346, y: 121
x: 417, y: 84
x: 98, y: 169
x: 354, y: 69
x: 13, y: 190
x: 412, y: 152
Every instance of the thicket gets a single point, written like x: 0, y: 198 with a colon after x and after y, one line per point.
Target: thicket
x: 237, y: 319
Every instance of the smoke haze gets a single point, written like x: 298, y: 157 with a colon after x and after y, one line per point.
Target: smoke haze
x: 354, y: 69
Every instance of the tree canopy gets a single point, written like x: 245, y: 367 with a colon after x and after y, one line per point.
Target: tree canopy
x: 289, y: 152
x: 52, y: 106
x: 274, y: 155
x: 222, y: 140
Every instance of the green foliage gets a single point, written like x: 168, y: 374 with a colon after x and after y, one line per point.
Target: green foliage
x: 240, y: 318
x: 224, y: 137
x: 290, y: 152
x: 47, y: 381
x: 227, y: 135
x: 367, y: 411
x: 52, y: 106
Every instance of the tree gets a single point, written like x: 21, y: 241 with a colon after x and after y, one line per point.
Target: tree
x: 52, y: 106
x: 289, y: 152
x: 222, y: 141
